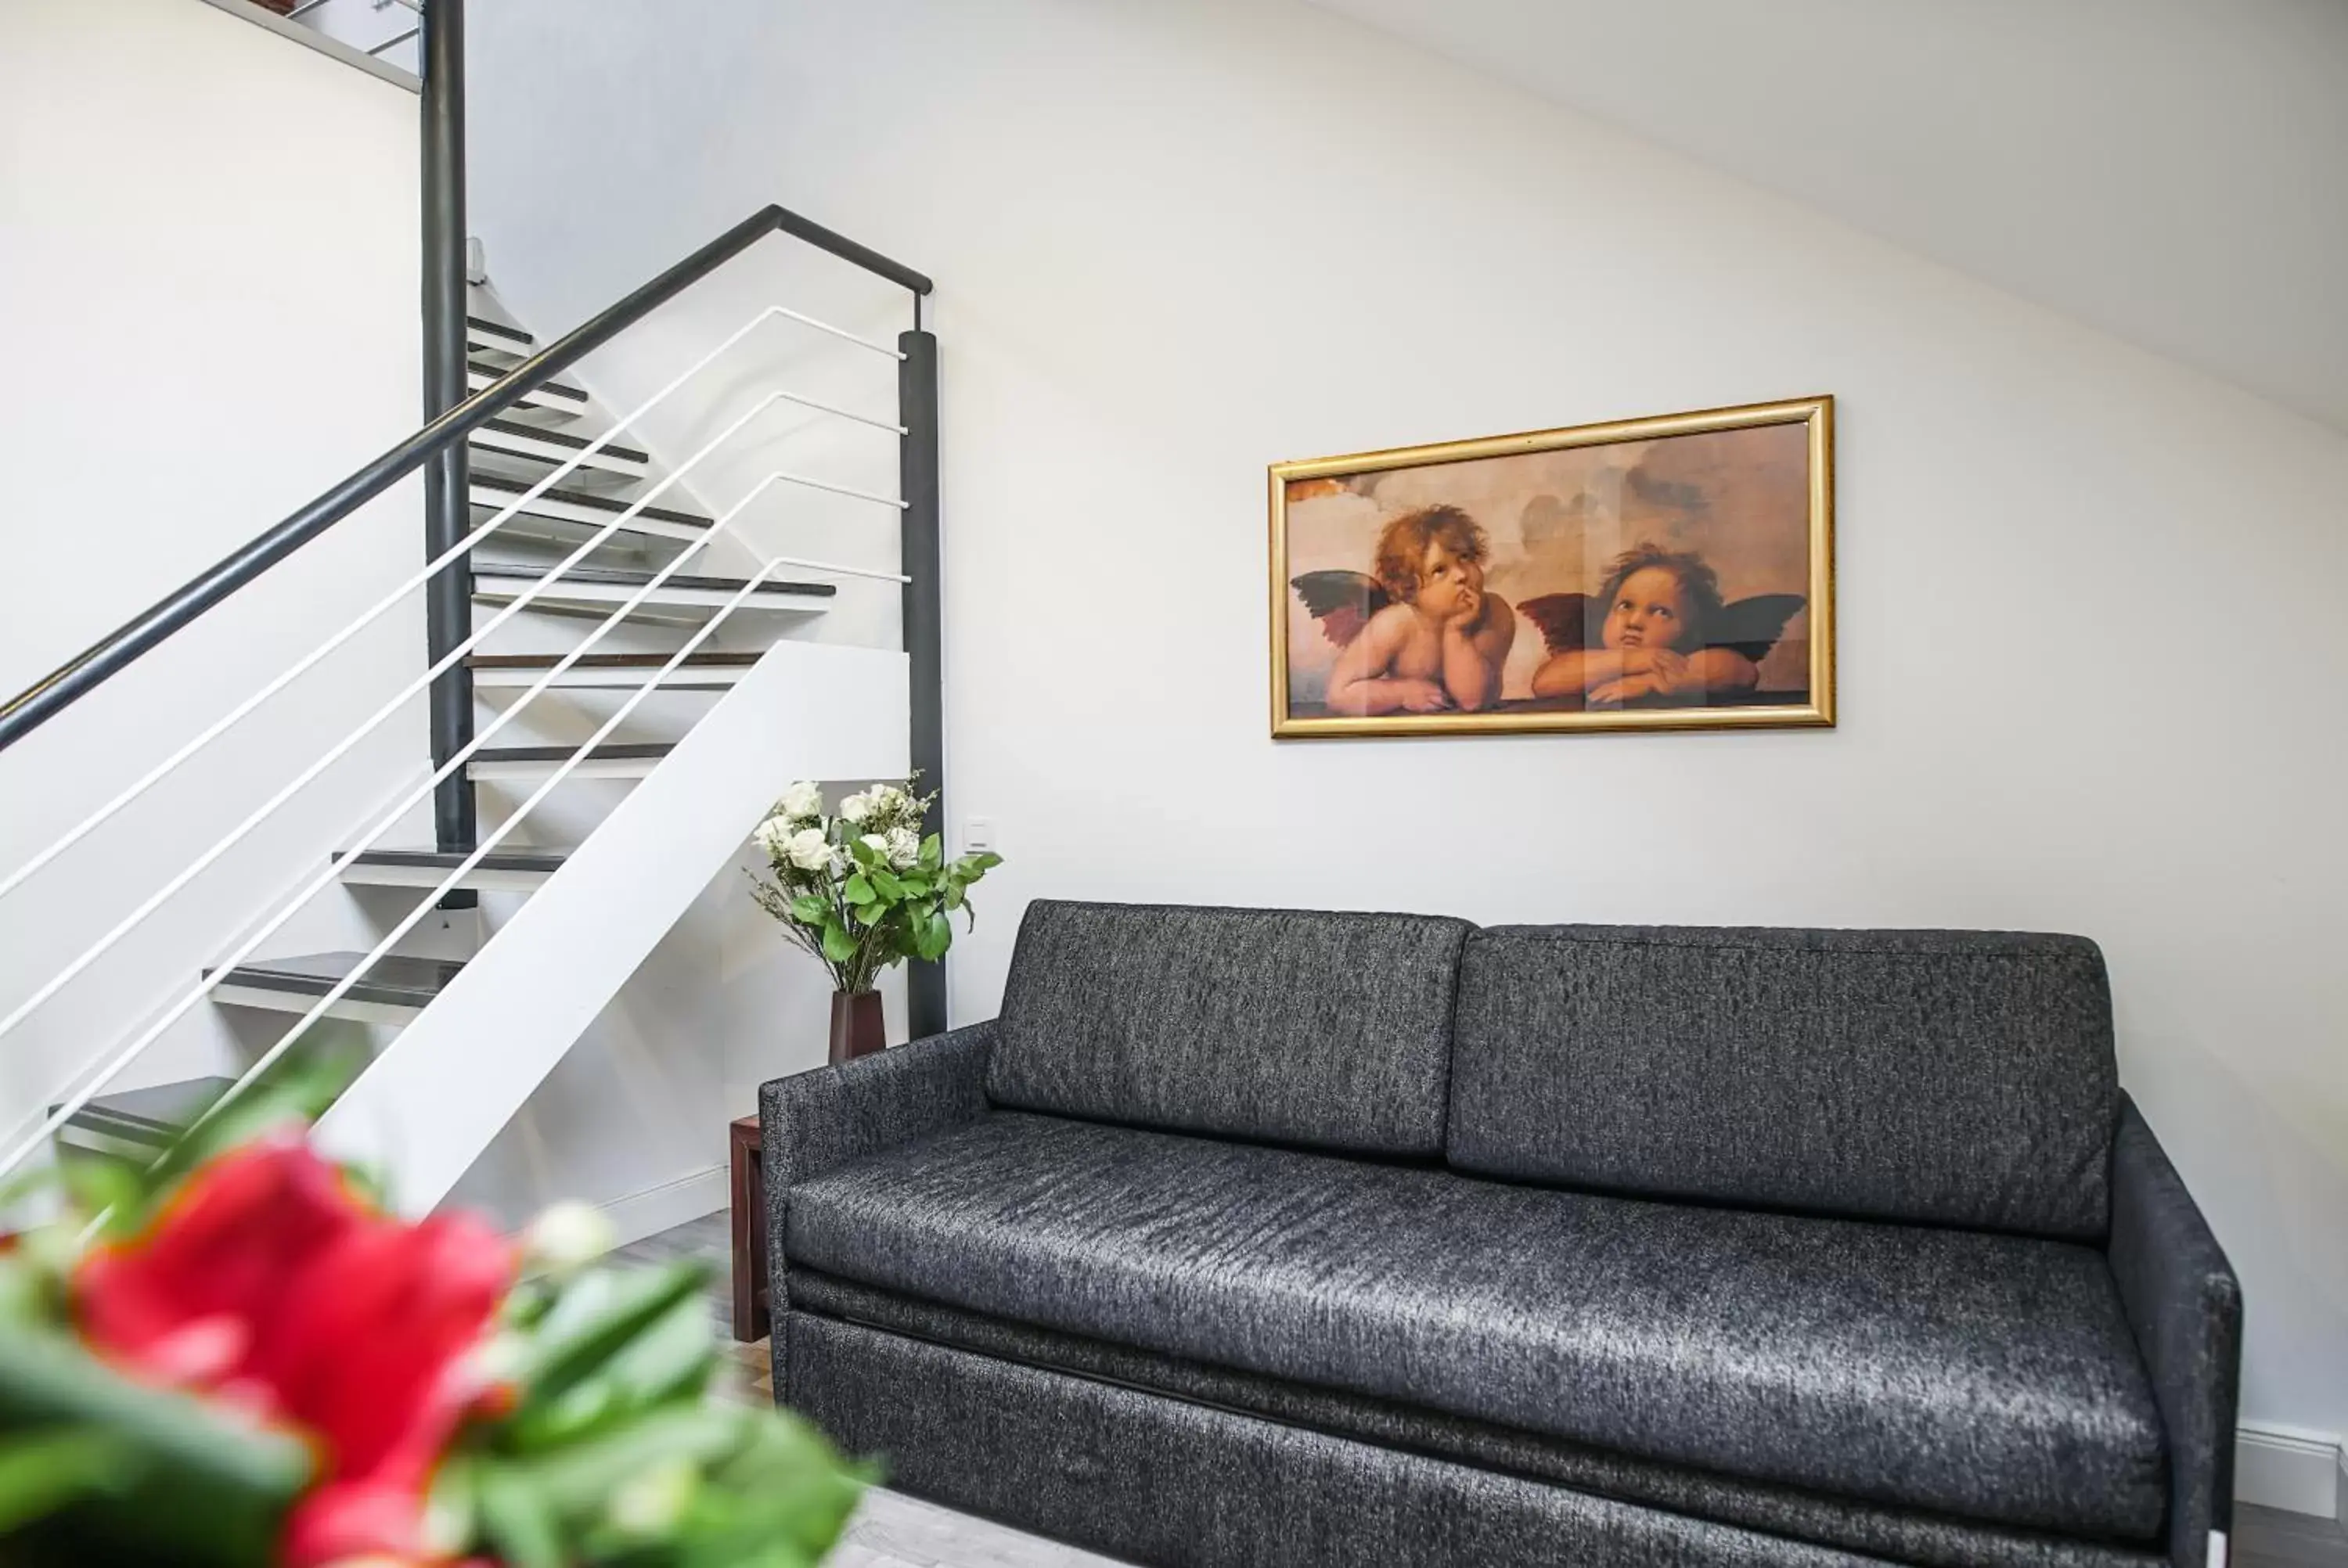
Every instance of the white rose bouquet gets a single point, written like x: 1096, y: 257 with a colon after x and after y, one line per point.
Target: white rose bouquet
x: 862, y: 890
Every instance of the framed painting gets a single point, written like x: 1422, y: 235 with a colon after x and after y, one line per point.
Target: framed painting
x: 1667, y: 573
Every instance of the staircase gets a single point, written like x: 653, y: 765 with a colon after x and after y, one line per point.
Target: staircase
x: 575, y: 537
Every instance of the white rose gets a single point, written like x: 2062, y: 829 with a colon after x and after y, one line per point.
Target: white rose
x: 904, y: 848
x: 887, y: 798
x: 567, y: 1237
x: 856, y: 807
x: 809, y: 850
x: 772, y: 834
x: 877, y: 845
x: 803, y: 800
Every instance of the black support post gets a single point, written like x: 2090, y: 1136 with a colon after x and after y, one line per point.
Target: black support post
x: 917, y: 481
x: 447, y: 505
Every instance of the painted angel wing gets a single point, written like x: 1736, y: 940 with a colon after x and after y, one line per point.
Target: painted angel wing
x: 1752, y: 625
x: 1343, y: 601
x: 1563, y: 620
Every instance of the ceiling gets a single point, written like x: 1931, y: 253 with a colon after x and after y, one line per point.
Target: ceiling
x: 2172, y: 171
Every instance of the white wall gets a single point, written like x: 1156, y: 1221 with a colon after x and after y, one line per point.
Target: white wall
x: 2054, y: 150
x: 207, y: 295
x: 2091, y: 650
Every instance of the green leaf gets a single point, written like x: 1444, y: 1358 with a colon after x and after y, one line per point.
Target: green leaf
x: 808, y: 909
x: 199, y: 1486
x: 98, y: 1183
x: 671, y: 1359
x: 519, y: 1521
x: 859, y: 890
x: 974, y: 866
x: 839, y: 945
x: 862, y: 853
x: 932, y: 852
x: 885, y: 883
x: 578, y: 1479
x: 936, y: 936
x: 953, y: 899
x: 43, y: 1472
x: 576, y: 1343
x: 452, y: 1504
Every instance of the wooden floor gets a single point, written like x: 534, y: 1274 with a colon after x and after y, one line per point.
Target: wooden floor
x: 2270, y: 1538
x: 893, y: 1531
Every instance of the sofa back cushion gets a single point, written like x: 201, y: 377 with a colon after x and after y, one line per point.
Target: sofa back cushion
x: 1320, y: 1030
x: 1962, y: 1077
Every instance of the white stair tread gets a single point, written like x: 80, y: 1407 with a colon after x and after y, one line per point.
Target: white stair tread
x: 483, y: 336
x: 612, y: 672
x: 499, y: 572
x: 632, y: 759
x: 552, y: 398
x: 395, y: 988
x: 150, y: 1118
x: 601, y: 588
x: 575, y: 510
x: 500, y: 870
x: 504, y: 438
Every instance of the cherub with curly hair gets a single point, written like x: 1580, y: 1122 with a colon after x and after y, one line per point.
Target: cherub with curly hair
x: 1657, y: 632
x: 1421, y: 636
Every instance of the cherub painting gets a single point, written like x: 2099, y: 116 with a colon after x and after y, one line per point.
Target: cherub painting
x: 1672, y: 572
x: 1419, y: 635
x: 1655, y: 629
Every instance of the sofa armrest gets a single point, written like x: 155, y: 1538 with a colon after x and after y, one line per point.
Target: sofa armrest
x: 2184, y: 1306
x: 818, y: 1121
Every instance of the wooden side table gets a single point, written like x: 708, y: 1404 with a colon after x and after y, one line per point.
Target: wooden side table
x: 752, y: 1319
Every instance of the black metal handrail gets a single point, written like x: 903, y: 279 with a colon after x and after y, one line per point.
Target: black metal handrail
x: 115, y: 651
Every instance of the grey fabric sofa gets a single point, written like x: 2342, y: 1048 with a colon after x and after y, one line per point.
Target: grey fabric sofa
x: 1260, y: 1237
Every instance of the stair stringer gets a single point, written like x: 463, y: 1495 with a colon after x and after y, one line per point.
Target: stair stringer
x: 425, y: 1109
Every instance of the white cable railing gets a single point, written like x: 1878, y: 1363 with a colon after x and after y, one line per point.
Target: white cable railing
x: 406, y: 695
x: 423, y: 906
x: 74, y: 1103
x: 917, y: 392
x: 521, y: 602
x: 455, y: 552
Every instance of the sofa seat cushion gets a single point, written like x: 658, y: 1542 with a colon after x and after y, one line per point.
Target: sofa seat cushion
x: 1988, y: 1376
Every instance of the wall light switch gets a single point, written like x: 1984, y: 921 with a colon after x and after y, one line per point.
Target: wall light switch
x: 977, y: 834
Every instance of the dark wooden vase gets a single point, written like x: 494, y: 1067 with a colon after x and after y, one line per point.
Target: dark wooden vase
x: 857, y: 1028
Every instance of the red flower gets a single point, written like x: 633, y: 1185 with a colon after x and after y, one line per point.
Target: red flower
x: 266, y: 1283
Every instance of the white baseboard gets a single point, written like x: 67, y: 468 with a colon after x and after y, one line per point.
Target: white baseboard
x: 2293, y: 1469
x: 656, y: 1209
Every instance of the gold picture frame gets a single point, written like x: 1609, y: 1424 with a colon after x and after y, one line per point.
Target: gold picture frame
x: 1655, y: 503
